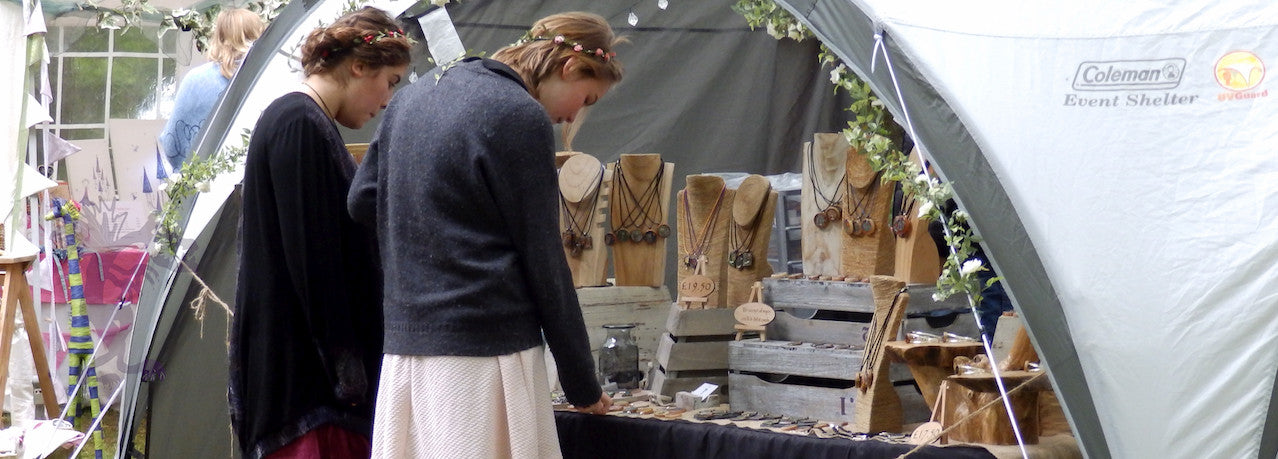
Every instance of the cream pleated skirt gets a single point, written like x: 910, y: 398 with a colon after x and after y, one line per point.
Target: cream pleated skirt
x: 465, y: 407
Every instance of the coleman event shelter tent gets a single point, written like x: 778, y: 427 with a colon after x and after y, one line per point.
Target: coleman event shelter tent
x: 1119, y: 160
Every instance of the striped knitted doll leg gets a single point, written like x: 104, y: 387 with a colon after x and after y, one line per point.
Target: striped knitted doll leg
x: 81, y: 345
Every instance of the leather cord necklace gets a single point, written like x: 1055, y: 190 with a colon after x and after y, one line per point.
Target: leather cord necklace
x: 901, y: 225
x: 857, y: 222
x: 742, y: 254
x: 637, y: 223
x: 828, y: 206
x: 576, y: 234
x: 697, y: 244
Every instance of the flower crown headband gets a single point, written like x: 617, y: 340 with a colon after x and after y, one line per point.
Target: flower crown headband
x: 369, y: 39
x: 597, y: 53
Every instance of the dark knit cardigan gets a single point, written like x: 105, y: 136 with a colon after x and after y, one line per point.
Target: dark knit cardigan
x: 305, y: 341
x: 460, y: 183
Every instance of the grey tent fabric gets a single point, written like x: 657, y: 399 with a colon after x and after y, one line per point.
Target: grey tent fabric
x: 701, y: 89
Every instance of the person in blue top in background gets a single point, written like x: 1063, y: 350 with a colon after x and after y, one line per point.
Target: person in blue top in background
x: 234, y: 31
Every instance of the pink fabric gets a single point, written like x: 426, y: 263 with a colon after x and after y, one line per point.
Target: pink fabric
x: 103, y: 286
x: 326, y: 441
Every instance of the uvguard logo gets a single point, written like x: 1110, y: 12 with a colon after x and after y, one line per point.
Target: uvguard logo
x: 1239, y: 71
x: 1129, y: 75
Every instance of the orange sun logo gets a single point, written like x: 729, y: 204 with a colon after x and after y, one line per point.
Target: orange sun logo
x: 1239, y: 71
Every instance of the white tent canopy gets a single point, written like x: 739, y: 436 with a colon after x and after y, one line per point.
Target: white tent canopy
x: 1118, y: 158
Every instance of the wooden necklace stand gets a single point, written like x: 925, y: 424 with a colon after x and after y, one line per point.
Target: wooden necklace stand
x: 824, y: 170
x: 917, y: 260
x: 584, y: 188
x: 878, y: 408
x: 642, y: 263
x: 753, y: 206
x: 872, y: 252
x: 17, y: 294
x: 702, y: 225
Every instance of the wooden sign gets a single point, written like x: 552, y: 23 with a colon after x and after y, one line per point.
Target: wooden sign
x: 754, y: 314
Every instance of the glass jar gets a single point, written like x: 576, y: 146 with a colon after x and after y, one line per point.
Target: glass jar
x: 619, y: 357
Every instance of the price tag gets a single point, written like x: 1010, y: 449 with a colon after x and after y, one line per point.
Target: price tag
x: 705, y: 391
x: 696, y: 285
x: 926, y: 433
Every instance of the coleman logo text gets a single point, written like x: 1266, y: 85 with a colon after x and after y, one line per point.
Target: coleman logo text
x: 1129, y: 75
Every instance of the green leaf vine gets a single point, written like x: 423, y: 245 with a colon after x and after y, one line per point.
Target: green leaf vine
x: 196, y: 176
x: 875, y: 134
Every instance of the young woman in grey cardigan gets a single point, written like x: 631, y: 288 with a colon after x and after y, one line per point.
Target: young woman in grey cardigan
x: 459, y: 182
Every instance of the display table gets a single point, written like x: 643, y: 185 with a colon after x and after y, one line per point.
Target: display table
x: 593, y: 436
x: 931, y: 363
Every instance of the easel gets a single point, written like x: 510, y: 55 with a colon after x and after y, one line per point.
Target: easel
x: 695, y: 290
x: 17, y: 294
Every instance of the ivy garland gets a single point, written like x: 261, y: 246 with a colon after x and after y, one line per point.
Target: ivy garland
x: 197, y: 175
x: 872, y: 133
x: 135, y: 13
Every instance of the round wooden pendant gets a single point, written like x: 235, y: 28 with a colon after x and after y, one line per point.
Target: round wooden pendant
x: 754, y: 314
x: 663, y: 230
x: 833, y: 213
x: 586, y: 242
x: 690, y: 262
x: 901, y: 226
x: 636, y: 236
x: 650, y: 237
x: 575, y: 251
x: 732, y: 258
x: 820, y: 221
x: 745, y: 260
x: 696, y: 286
x: 867, y: 227
x: 569, y: 239
x: 609, y: 239
x: 623, y: 235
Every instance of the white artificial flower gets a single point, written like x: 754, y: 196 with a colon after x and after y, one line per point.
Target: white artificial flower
x: 439, y: 2
x: 921, y: 179
x: 174, y: 177
x: 925, y: 209
x: 836, y: 73
x: 938, y: 297
x: 960, y: 215
x: 971, y: 266
x: 204, y: 186
x: 163, y: 186
x: 153, y: 249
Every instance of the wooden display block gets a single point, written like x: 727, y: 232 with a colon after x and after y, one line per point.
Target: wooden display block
x: 962, y: 394
x: 645, y: 307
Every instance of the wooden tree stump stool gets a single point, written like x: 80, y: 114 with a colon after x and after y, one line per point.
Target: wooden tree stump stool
x: 931, y: 363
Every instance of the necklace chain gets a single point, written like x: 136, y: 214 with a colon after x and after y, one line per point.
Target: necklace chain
x: 327, y: 113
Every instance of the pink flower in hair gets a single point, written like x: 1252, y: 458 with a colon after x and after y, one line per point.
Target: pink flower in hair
x: 559, y: 39
x: 368, y: 39
x: 577, y: 48
x: 599, y: 52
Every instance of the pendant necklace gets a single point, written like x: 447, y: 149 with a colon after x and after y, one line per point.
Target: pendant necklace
x: 697, y: 244
x: 742, y: 254
x: 828, y: 207
x: 634, y: 222
x: 857, y: 222
x: 901, y: 225
x: 576, y: 234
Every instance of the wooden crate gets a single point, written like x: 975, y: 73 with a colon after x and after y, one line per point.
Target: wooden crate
x: 823, y: 400
x: 693, y: 350
x: 805, y: 301
x: 645, y: 307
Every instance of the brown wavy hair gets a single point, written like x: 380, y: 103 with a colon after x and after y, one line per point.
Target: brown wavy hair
x: 368, y: 35
x: 233, y: 31
x: 538, y: 55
